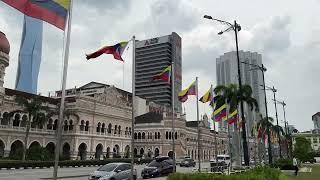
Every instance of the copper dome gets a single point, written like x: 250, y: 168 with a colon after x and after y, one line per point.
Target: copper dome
x: 4, y: 43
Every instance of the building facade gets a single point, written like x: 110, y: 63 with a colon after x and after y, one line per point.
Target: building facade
x: 152, y: 57
x: 227, y: 73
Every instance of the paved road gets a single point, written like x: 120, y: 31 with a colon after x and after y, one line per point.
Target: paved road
x: 80, y: 173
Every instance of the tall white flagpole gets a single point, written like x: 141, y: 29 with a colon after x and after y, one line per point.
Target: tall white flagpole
x: 133, y: 102
x: 172, y: 106
x: 63, y: 93
x: 198, y: 126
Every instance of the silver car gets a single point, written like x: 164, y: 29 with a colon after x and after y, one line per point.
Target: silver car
x: 113, y: 171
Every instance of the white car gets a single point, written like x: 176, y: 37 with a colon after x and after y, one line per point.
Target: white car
x: 224, y: 158
x: 113, y: 171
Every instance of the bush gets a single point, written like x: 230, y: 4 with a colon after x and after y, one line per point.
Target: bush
x: 283, y: 164
x: 259, y: 173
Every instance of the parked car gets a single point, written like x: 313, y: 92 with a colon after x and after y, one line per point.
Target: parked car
x: 187, y: 162
x: 113, y: 171
x: 158, y: 167
x: 222, y: 158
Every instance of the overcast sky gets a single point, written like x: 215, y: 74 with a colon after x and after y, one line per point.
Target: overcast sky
x: 285, y: 32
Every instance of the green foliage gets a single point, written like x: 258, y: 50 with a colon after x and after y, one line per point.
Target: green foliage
x: 38, y: 153
x: 259, y: 173
x: 283, y: 164
x: 302, y: 149
x: 16, y: 155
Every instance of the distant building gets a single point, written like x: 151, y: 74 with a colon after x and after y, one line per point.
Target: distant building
x: 227, y: 73
x: 314, y: 139
x: 316, y: 122
x: 152, y: 56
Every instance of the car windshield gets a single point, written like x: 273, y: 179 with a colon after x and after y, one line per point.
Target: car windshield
x: 154, y: 163
x: 107, y: 167
x: 220, y: 158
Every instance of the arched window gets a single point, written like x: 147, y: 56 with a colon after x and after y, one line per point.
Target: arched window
x: 167, y: 135
x: 143, y: 135
x: 55, y: 124
x: 139, y: 135
x: 65, y: 126
x: 82, y: 125
x: 155, y: 135
x: 49, y: 125
x: 86, y: 128
x: 103, y: 127
x: 119, y: 130
x: 99, y: 127
x: 135, y: 135
x: 129, y: 130
x: 176, y: 135
x: 70, y: 125
x: 115, y: 129
x: 126, y: 132
x: 109, y: 128
x: 159, y: 136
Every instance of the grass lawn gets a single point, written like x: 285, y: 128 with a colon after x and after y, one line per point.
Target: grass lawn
x: 314, y: 175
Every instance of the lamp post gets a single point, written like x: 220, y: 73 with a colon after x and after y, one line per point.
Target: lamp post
x: 236, y: 27
x: 285, y: 121
x: 263, y: 69
x: 275, y: 106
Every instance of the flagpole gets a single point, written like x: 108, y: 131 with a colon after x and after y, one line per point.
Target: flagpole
x: 133, y: 102
x: 63, y: 93
x: 198, y: 126
x: 229, y: 136
x: 172, y: 106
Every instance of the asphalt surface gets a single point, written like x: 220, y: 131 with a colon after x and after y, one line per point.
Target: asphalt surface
x: 80, y: 173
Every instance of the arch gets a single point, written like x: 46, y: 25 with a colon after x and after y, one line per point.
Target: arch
x: 155, y: 135
x: 103, y: 127
x: 129, y: 130
x: 159, y: 136
x: 16, y: 120
x: 135, y: 136
x: 109, y: 128
x: 65, y: 125
x: 99, y: 149
x: 115, y: 129
x: 99, y: 127
x: 139, y: 135
x: 135, y: 152
x: 34, y: 144
x: 50, y: 147
x: 16, y: 150
x: 2, y: 147
x: 175, y: 135
x: 82, y: 151
x: 116, y: 151
x: 156, y: 152
x: 149, y: 153
x: 192, y: 154
x: 119, y: 129
x: 5, y: 118
x: 82, y: 125
x: 55, y: 124
x: 70, y: 125
x: 86, y: 128
x: 170, y: 154
x: 66, y: 151
x: 24, y: 121
x: 141, y: 152
x: 126, y: 132
x: 127, y: 151
x: 108, y: 152
x: 167, y: 135
x: 143, y: 135
x: 49, y: 125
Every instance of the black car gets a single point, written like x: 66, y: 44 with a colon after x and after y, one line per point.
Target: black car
x: 187, y: 162
x: 158, y: 167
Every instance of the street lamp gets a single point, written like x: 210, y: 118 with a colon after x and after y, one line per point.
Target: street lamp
x: 275, y: 106
x: 263, y: 69
x: 236, y: 27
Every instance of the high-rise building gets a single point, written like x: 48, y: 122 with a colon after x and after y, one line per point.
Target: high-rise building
x: 227, y: 73
x: 152, y: 56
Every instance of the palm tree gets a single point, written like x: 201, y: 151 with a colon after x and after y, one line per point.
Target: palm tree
x: 36, y: 114
x: 233, y: 95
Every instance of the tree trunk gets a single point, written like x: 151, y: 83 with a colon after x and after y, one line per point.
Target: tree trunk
x: 26, y: 138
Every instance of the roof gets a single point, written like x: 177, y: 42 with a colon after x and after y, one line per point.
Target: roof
x: 316, y: 114
x: 12, y: 92
x: 150, y: 117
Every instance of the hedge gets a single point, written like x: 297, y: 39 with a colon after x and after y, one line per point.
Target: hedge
x: 283, y: 164
x: 8, y: 164
x: 259, y: 173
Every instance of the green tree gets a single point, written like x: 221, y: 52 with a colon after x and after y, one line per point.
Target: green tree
x: 302, y: 149
x: 36, y: 113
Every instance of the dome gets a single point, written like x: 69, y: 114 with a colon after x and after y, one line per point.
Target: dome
x: 4, y: 43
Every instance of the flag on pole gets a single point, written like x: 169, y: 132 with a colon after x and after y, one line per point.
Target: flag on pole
x: 191, y: 90
x: 164, y: 75
x: 220, y: 113
x: 116, y: 50
x: 54, y: 12
x: 207, y: 96
x: 232, y: 118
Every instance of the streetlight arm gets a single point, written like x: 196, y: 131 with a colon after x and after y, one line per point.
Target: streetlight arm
x: 221, y: 21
